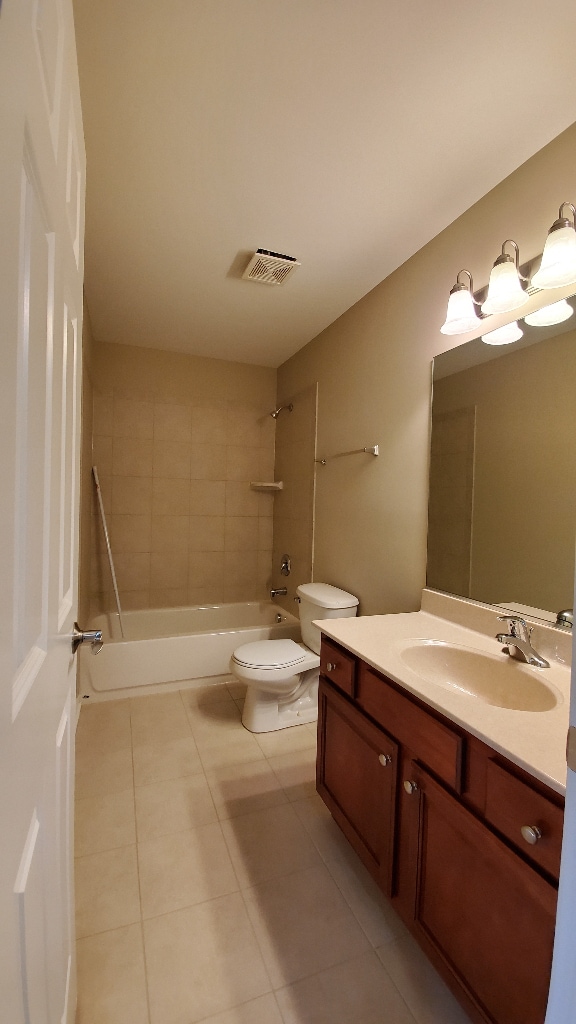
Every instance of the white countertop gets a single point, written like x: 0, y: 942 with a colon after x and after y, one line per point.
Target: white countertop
x: 534, y: 740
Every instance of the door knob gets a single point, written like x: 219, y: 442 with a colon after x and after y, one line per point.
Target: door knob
x: 91, y: 636
x: 531, y: 833
x: 410, y: 786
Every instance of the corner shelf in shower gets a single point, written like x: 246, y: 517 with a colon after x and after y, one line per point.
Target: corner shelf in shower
x: 269, y: 487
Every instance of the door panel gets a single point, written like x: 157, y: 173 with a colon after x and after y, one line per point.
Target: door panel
x: 41, y: 212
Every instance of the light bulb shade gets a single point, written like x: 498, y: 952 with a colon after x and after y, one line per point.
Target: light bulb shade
x: 558, y: 266
x: 505, y: 292
x: 503, y: 335
x: 460, y: 316
x: 555, y: 313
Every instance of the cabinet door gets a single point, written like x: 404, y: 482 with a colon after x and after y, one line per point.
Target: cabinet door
x: 356, y: 778
x: 479, y: 909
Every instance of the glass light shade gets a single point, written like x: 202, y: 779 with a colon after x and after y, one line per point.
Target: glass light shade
x: 555, y: 313
x: 503, y: 335
x: 558, y: 266
x: 460, y: 316
x: 505, y: 292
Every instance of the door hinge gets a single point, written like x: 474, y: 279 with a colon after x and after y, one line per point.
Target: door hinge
x: 571, y: 748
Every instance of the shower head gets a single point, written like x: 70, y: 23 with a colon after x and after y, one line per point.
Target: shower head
x: 277, y: 411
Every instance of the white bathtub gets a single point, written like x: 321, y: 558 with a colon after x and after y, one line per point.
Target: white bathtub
x: 174, y: 647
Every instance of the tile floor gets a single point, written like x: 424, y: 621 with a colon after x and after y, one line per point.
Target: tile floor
x: 213, y: 886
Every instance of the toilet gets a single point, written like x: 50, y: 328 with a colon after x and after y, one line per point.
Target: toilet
x: 282, y: 675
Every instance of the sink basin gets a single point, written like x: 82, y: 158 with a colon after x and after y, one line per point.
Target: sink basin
x: 494, y: 679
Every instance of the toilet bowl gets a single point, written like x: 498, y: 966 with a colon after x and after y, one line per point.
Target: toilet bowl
x: 281, y: 675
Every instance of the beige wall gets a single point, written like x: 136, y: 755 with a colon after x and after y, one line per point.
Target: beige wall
x: 524, y: 503
x: 86, y: 485
x: 373, y: 372
x: 177, y: 440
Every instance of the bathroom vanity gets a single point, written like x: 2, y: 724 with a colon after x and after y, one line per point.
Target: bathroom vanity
x: 452, y: 798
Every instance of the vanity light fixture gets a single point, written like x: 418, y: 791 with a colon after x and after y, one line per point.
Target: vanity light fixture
x: 505, y: 291
x: 558, y: 266
x: 555, y: 313
x: 461, y: 315
x: 504, y: 335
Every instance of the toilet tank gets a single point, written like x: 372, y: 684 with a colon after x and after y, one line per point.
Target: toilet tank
x: 322, y: 601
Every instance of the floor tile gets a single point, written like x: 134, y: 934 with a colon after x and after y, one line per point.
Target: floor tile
x: 102, y: 772
x: 107, y: 893
x: 284, y: 741
x: 296, y: 772
x: 184, y: 868
x: 253, y: 787
x: 263, y: 1010
x: 370, y: 907
x: 199, y: 697
x: 222, y: 739
x: 104, y: 727
x: 356, y: 992
x: 111, y: 978
x: 429, y: 999
x: 173, y: 806
x: 104, y: 822
x: 202, y: 961
x: 158, y: 717
x: 168, y: 759
x: 269, y: 843
x: 321, y: 827
x: 236, y: 689
x: 303, y: 925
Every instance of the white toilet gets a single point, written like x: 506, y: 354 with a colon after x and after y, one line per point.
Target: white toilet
x: 282, y: 675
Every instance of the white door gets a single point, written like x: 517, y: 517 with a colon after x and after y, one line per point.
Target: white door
x: 41, y: 245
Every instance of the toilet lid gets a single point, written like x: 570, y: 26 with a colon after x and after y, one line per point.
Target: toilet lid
x: 269, y: 654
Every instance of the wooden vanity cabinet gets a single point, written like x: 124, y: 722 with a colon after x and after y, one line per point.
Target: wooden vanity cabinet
x: 436, y: 816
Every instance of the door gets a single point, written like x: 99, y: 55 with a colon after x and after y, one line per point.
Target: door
x: 480, y: 910
x: 356, y: 778
x: 41, y: 218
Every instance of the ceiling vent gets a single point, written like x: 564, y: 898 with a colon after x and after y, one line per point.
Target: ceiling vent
x: 270, y: 267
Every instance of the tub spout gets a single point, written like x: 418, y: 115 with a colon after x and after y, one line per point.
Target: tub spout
x: 279, y: 592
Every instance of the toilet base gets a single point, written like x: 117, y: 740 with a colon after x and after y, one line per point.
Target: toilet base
x: 267, y: 712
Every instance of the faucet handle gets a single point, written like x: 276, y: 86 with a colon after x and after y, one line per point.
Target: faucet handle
x: 517, y: 625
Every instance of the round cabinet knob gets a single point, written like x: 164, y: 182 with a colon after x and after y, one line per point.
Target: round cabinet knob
x: 531, y: 833
x: 385, y: 759
x: 410, y: 786
x: 330, y: 666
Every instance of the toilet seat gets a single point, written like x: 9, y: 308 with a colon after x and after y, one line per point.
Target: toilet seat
x: 270, y: 654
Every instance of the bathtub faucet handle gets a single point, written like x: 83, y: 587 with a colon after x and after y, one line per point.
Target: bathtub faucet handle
x: 91, y: 636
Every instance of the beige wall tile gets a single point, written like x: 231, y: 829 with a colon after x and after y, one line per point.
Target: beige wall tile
x: 207, y: 498
x: 171, y: 422
x: 103, y: 414
x: 172, y: 459
x: 240, y: 567
x: 132, y: 457
x: 170, y: 497
x: 102, y: 455
x: 209, y: 424
x: 240, y: 500
x: 241, y: 533
x: 243, y: 463
x: 133, y: 570
x: 171, y: 597
x: 168, y: 569
x: 205, y: 568
x: 265, y: 533
x: 206, y: 533
x: 207, y: 462
x: 133, y: 418
x: 131, y: 495
x: 210, y: 594
x: 135, y: 600
x: 130, y: 533
x: 249, y: 426
x: 170, y: 533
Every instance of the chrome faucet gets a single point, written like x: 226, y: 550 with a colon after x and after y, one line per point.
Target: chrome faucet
x: 519, y: 639
x: 279, y: 592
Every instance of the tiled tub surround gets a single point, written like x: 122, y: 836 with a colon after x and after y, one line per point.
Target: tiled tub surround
x: 214, y: 887
x: 185, y: 527
x: 536, y: 741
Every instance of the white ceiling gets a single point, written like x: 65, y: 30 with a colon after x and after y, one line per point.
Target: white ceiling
x: 346, y: 133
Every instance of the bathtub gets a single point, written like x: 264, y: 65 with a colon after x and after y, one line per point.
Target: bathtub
x: 169, y: 648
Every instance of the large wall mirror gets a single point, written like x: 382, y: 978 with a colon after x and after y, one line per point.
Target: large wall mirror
x: 502, y: 505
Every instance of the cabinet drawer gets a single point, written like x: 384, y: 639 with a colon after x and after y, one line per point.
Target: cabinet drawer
x: 434, y: 744
x: 512, y: 804
x: 338, y: 666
